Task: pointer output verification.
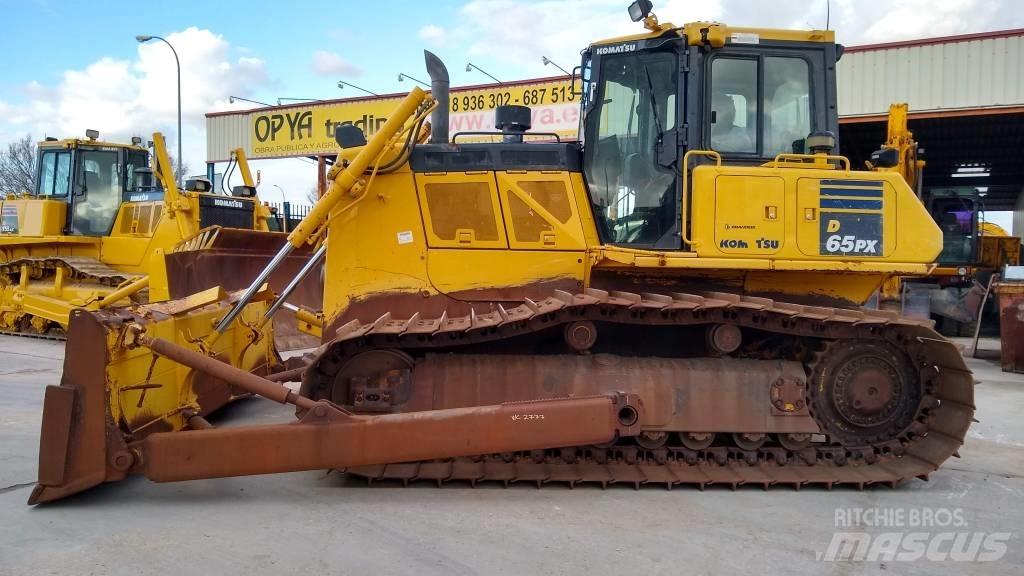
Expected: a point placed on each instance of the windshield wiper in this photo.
(654, 106)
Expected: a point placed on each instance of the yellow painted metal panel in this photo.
(864, 205)
(461, 209)
(540, 211)
(469, 270)
(33, 217)
(750, 215)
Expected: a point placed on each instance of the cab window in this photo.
(787, 104)
(760, 106)
(98, 196)
(135, 160)
(54, 173)
(734, 105)
(634, 106)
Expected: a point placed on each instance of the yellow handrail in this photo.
(815, 157)
(686, 186)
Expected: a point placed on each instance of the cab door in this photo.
(96, 194)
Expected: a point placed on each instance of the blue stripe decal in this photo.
(867, 183)
(859, 192)
(851, 204)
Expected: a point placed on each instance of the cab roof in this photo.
(696, 32)
(79, 142)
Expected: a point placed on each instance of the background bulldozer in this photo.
(105, 228)
(672, 301)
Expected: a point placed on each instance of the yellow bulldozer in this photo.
(102, 222)
(672, 300)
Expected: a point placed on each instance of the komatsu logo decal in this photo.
(228, 203)
(851, 217)
(617, 49)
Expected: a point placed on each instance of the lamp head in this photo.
(143, 38)
(469, 67)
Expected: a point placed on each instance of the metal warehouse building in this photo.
(966, 98)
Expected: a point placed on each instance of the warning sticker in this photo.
(745, 38)
(405, 237)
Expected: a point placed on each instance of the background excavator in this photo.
(673, 300)
(101, 223)
(973, 251)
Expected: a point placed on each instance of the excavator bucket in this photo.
(114, 392)
(231, 258)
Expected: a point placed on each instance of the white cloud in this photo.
(122, 98)
(433, 35)
(332, 64)
(516, 33)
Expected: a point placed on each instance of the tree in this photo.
(180, 172)
(18, 166)
(313, 195)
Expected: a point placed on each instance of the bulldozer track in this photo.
(78, 267)
(60, 337)
(936, 432)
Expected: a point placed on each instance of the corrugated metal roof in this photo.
(977, 71)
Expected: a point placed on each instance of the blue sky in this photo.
(70, 65)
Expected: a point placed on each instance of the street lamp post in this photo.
(470, 66)
(402, 76)
(547, 61)
(142, 39)
(231, 100)
(342, 84)
(280, 100)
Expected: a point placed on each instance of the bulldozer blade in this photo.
(130, 389)
(114, 392)
(230, 258)
(72, 451)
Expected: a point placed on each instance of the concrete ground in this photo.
(317, 523)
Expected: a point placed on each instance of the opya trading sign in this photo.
(309, 130)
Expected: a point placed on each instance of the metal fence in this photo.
(285, 216)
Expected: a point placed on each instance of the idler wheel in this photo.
(368, 368)
(864, 392)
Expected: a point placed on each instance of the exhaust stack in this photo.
(439, 90)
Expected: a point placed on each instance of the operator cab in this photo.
(748, 94)
(956, 211)
(92, 177)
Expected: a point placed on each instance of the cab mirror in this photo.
(348, 136)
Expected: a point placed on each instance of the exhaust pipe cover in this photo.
(439, 90)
